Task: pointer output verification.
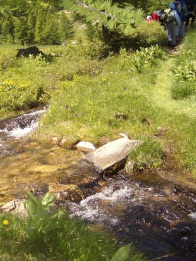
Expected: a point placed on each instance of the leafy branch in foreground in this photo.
(104, 13)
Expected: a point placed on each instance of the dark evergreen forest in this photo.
(48, 22)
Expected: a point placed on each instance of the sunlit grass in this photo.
(72, 241)
(120, 99)
(90, 99)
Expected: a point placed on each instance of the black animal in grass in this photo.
(31, 50)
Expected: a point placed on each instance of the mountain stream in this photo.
(156, 214)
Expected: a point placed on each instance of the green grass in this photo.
(121, 99)
(44, 236)
(90, 99)
(74, 241)
(28, 83)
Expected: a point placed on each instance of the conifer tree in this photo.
(5, 31)
(7, 24)
(51, 33)
(20, 30)
(31, 28)
(114, 23)
(39, 26)
(66, 31)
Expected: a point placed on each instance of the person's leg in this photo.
(182, 29)
(192, 21)
(168, 34)
(187, 20)
(192, 18)
(173, 34)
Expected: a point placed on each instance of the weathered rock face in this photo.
(111, 153)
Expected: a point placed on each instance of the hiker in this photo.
(191, 6)
(170, 22)
(181, 8)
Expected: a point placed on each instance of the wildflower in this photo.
(5, 222)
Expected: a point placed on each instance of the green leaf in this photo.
(32, 197)
(48, 199)
(122, 254)
(50, 216)
(31, 208)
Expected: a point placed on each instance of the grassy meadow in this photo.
(147, 94)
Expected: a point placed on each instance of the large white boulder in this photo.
(111, 153)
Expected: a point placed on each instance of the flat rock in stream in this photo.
(111, 153)
(16, 207)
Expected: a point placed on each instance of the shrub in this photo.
(149, 34)
(186, 71)
(21, 95)
(7, 59)
(146, 58)
(184, 77)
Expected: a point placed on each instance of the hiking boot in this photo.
(170, 44)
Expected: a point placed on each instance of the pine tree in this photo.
(31, 28)
(66, 31)
(20, 30)
(7, 24)
(114, 24)
(51, 33)
(39, 26)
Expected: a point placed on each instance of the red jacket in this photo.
(155, 16)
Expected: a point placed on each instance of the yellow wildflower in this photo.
(5, 222)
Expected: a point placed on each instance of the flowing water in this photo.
(156, 214)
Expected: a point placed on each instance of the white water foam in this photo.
(91, 208)
(19, 132)
(35, 113)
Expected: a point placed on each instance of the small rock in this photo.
(66, 192)
(85, 146)
(15, 206)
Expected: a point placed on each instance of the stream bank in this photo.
(157, 214)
